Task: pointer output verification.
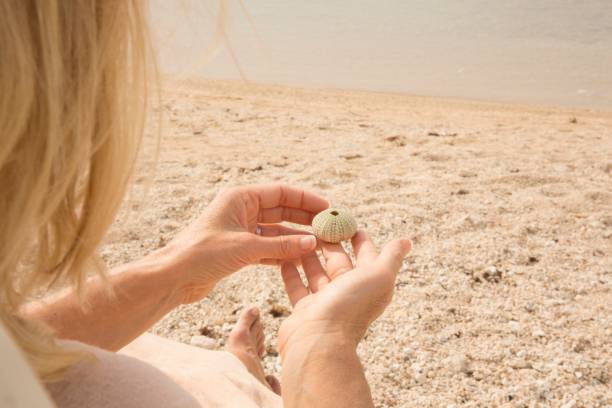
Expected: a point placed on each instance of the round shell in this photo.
(334, 225)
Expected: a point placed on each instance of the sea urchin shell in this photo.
(334, 225)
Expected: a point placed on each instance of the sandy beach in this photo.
(505, 299)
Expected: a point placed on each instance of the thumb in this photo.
(282, 247)
(392, 255)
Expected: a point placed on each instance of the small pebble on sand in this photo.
(203, 342)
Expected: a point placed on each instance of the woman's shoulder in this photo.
(116, 380)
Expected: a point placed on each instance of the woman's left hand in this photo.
(241, 226)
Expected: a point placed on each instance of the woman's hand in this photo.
(318, 342)
(343, 299)
(241, 226)
(220, 242)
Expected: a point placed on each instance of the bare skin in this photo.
(221, 241)
(317, 342)
(247, 342)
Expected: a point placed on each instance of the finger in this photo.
(281, 247)
(293, 283)
(364, 248)
(392, 255)
(275, 230)
(282, 195)
(269, 261)
(317, 278)
(278, 214)
(336, 260)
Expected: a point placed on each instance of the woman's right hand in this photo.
(342, 299)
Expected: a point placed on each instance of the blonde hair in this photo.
(73, 98)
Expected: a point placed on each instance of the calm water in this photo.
(555, 52)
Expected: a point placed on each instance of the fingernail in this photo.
(407, 244)
(308, 243)
(254, 312)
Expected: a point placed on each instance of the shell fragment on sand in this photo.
(334, 225)
(203, 342)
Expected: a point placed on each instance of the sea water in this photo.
(553, 52)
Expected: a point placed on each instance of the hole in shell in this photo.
(334, 213)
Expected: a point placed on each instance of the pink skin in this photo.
(318, 341)
(221, 241)
(247, 342)
(342, 296)
(224, 240)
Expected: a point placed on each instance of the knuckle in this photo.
(285, 245)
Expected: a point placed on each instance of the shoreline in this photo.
(171, 80)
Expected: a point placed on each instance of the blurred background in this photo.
(553, 52)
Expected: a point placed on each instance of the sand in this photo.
(505, 299)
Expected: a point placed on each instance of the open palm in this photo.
(342, 296)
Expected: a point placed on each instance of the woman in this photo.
(72, 102)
